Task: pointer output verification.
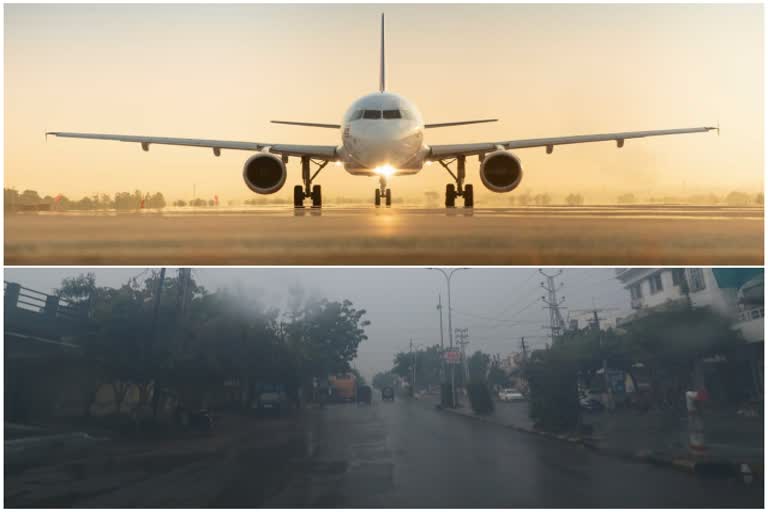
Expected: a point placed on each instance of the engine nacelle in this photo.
(501, 171)
(264, 173)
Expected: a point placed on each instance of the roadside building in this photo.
(735, 293)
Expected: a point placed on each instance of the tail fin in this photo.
(382, 78)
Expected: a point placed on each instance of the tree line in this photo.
(119, 201)
(193, 341)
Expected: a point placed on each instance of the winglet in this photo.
(382, 78)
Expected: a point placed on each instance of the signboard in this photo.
(452, 357)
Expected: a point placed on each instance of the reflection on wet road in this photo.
(405, 454)
(356, 236)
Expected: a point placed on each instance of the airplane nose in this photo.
(390, 147)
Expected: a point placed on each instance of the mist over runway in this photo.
(556, 235)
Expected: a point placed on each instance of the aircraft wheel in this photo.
(298, 196)
(469, 196)
(388, 197)
(377, 198)
(450, 195)
(317, 197)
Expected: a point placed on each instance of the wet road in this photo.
(611, 235)
(405, 454)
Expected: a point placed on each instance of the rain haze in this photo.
(497, 305)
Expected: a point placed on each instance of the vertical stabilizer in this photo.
(382, 80)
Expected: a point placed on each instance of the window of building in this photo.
(655, 280)
(392, 114)
(372, 114)
(696, 279)
(677, 276)
(635, 291)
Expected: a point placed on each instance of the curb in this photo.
(714, 468)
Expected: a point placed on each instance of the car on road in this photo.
(510, 395)
(270, 397)
(387, 393)
(364, 395)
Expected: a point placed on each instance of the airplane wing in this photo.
(319, 152)
(442, 151)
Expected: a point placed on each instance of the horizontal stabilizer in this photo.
(459, 123)
(302, 123)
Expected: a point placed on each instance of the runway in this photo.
(595, 235)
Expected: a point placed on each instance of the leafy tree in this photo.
(737, 199)
(628, 198)
(478, 365)
(384, 379)
(574, 200)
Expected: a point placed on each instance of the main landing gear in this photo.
(308, 190)
(383, 193)
(459, 189)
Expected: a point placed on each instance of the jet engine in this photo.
(264, 173)
(501, 171)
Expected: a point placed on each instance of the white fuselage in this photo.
(382, 135)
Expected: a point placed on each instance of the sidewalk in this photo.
(734, 444)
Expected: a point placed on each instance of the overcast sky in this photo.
(497, 305)
(223, 71)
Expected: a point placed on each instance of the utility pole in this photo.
(413, 369)
(448, 276)
(155, 313)
(150, 342)
(440, 310)
(524, 348)
(443, 369)
(595, 325)
(552, 302)
(462, 339)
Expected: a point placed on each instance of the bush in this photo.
(553, 400)
(480, 397)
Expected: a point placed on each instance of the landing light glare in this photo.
(385, 170)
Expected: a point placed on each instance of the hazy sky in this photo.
(496, 305)
(223, 71)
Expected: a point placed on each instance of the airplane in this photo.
(382, 134)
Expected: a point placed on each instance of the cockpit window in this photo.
(357, 115)
(372, 114)
(392, 114)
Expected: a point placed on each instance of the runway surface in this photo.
(603, 235)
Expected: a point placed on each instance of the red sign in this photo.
(452, 357)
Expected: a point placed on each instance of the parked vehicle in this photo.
(270, 398)
(343, 387)
(387, 393)
(589, 403)
(198, 420)
(364, 395)
(510, 395)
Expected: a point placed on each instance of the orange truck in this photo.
(344, 387)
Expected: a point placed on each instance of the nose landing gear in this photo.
(459, 190)
(383, 193)
(308, 190)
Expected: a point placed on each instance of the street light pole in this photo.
(448, 276)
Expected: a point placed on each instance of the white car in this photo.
(510, 395)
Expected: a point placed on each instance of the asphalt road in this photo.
(615, 235)
(405, 454)
(401, 454)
